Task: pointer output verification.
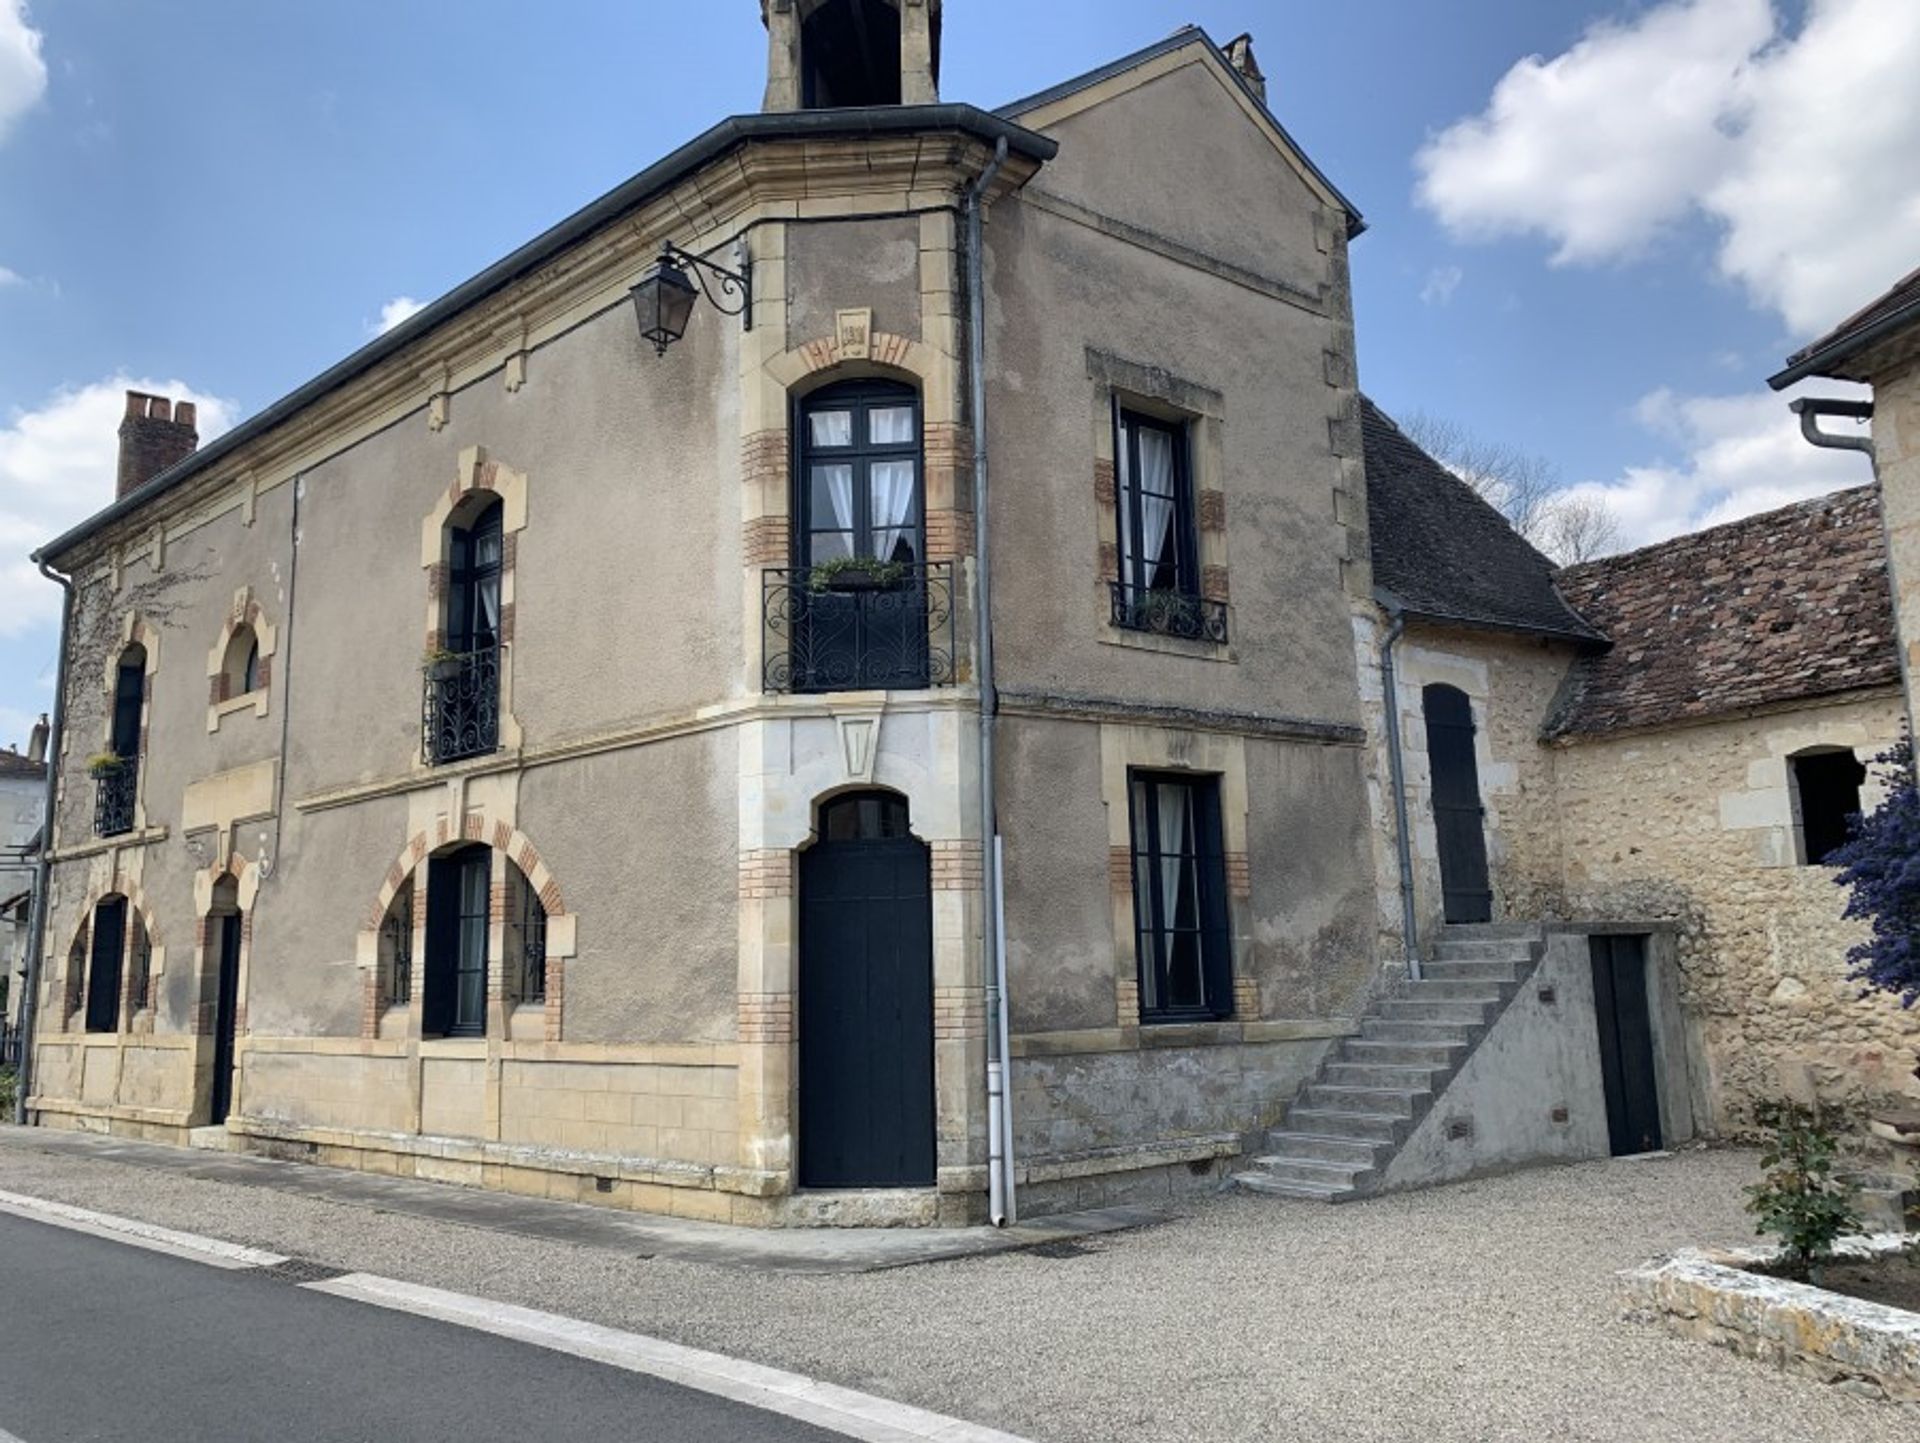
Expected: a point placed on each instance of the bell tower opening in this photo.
(828, 54)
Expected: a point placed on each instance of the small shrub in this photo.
(7, 1084)
(1798, 1199)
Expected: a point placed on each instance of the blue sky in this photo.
(1595, 225)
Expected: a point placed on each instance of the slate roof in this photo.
(1445, 554)
(13, 764)
(1785, 606)
(1831, 354)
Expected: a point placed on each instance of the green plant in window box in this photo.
(442, 664)
(1170, 611)
(856, 573)
(105, 764)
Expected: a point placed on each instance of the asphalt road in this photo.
(102, 1341)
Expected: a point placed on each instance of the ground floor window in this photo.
(455, 1001)
(1179, 898)
(103, 969)
(396, 948)
(526, 937)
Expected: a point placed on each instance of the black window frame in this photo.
(453, 964)
(1210, 927)
(106, 964)
(468, 578)
(396, 933)
(527, 937)
(1128, 422)
(859, 397)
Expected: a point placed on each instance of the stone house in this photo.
(545, 751)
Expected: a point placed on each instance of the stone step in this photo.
(1382, 1101)
(1402, 1054)
(1518, 949)
(1294, 1145)
(1309, 1192)
(1472, 969)
(1411, 1009)
(1446, 989)
(213, 1139)
(1362, 1126)
(1413, 1029)
(1315, 1171)
(1489, 931)
(1410, 1076)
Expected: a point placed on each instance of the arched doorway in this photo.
(1459, 821)
(223, 943)
(866, 999)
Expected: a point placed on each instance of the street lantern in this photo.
(663, 298)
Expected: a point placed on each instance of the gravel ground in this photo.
(1474, 1312)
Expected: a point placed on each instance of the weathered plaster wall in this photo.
(1696, 825)
(1896, 440)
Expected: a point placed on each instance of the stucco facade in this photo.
(655, 777)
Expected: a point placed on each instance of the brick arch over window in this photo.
(853, 354)
(408, 866)
(71, 988)
(477, 478)
(245, 614)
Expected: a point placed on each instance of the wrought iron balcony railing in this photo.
(460, 712)
(858, 631)
(1169, 613)
(114, 789)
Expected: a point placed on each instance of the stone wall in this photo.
(1896, 439)
(1697, 825)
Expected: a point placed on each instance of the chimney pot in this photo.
(153, 437)
(1240, 56)
(37, 740)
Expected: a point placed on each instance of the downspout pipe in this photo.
(1001, 1207)
(1397, 778)
(43, 868)
(1811, 408)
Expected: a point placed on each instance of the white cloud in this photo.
(23, 74)
(1442, 282)
(57, 467)
(1798, 146)
(10, 278)
(394, 312)
(1736, 455)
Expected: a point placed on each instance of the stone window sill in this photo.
(255, 700)
(1169, 645)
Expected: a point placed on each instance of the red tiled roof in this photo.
(1785, 606)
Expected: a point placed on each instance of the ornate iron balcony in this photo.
(113, 792)
(460, 713)
(1169, 613)
(890, 629)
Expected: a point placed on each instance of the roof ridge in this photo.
(1757, 518)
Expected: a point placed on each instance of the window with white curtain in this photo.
(1154, 498)
(860, 484)
(1179, 898)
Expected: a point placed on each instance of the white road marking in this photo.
(142, 1235)
(6, 1437)
(825, 1405)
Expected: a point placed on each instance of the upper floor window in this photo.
(116, 770)
(1158, 588)
(1180, 898)
(241, 668)
(850, 54)
(860, 461)
(462, 713)
(1826, 795)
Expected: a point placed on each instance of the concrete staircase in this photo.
(1345, 1125)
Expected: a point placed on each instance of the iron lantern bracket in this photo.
(730, 292)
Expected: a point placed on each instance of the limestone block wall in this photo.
(1896, 439)
(1696, 825)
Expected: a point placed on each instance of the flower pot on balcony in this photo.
(444, 668)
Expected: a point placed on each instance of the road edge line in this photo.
(193, 1246)
(826, 1405)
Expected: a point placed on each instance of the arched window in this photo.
(463, 680)
(395, 981)
(117, 771)
(140, 984)
(454, 1000)
(77, 956)
(241, 669)
(104, 965)
(850, 54)
(526, 935)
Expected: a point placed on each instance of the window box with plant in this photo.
(856, 573)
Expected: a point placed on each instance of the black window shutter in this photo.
(443, 946)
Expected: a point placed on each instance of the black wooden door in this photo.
(226, 1016)
(1458, 817)
(866, 1001)
(103, 965)
(1626, 1043)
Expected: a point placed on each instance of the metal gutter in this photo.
(1184, 36)
(1821, 360)
(1396, 769)
(727, 136)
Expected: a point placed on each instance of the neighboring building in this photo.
(508, 774)
(23, 796)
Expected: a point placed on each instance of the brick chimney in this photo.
(37, 740)
(155, 434)
(1240, 57)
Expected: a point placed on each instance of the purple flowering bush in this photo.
(1880, 867)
